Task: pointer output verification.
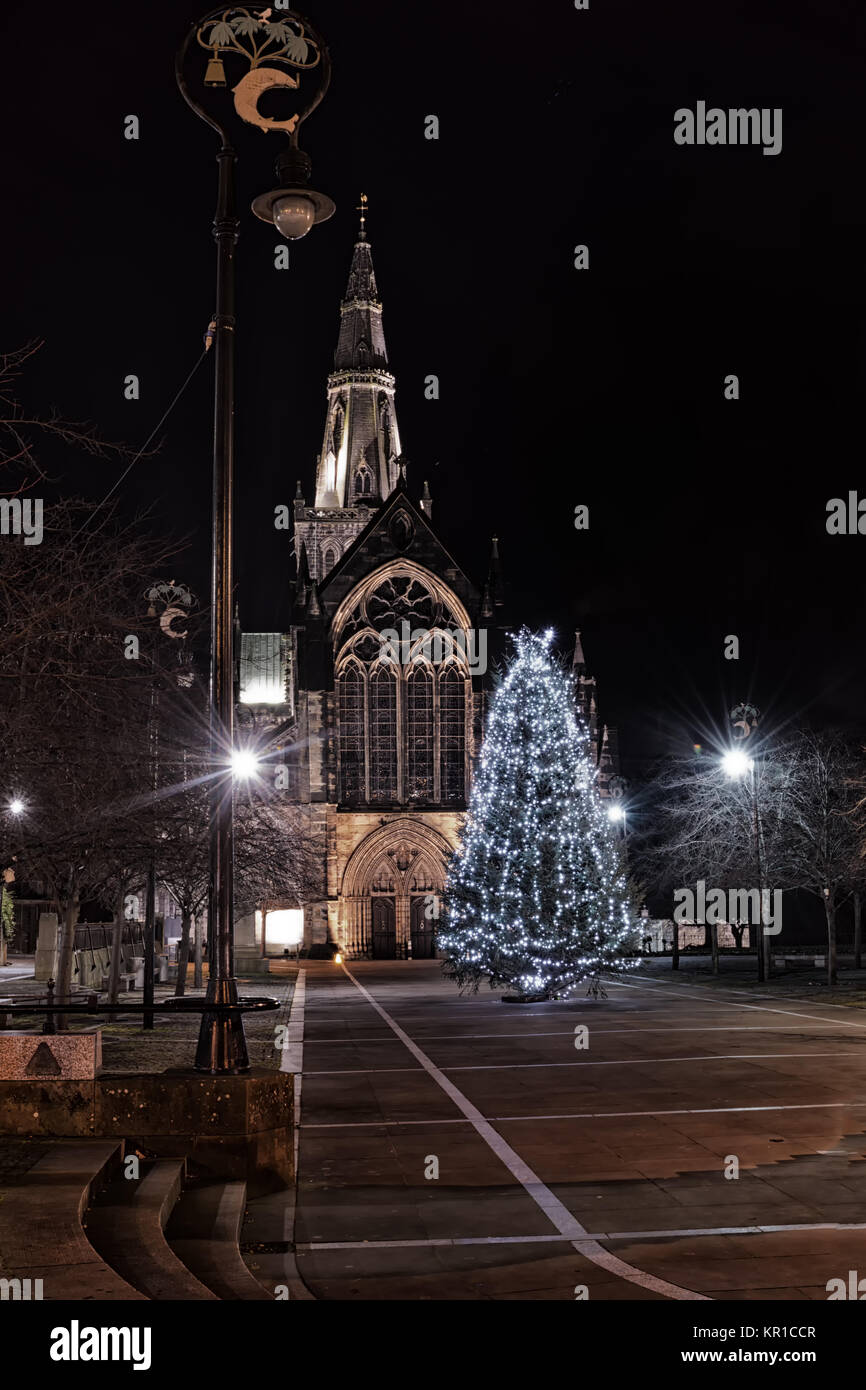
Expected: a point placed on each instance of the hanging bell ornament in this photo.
(216, 73)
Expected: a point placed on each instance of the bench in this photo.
(126, 982)
(794, 962)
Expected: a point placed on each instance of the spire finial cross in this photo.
(362, 209)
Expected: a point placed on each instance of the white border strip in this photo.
(293, 1061)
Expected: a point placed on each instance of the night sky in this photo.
(558, 387)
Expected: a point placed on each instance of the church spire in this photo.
(358, 463)
(494, 575)
(585, 691)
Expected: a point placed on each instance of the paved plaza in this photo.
(461, 1148)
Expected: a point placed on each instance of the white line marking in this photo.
(557, 1214)
(363, 1040)
(599, 1115)
(615, 1062)
(759, 1008)
(597, 1235)
(751, 994)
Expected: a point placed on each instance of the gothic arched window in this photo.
(383, 733)
(419, 733)
(352, 722)
(452, 733)
(337, 429)
(403, 705)
(329, 559)
(363, 481)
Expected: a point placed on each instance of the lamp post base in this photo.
(222, 1043)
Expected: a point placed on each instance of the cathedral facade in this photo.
(379, 687)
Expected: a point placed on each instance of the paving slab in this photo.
(631, 1135)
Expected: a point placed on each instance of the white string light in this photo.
(536, 897)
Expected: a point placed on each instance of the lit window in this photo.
(452, 734)
(351, 716)
(383, 735)
(419, 732)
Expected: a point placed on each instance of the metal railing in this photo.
(93, 1006)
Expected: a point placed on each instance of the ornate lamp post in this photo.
(263, 50)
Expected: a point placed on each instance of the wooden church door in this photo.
(384, 928)
(423, 942)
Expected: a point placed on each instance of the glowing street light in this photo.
(736, 764)
(244, 763)
(617, 813)
(16, 806)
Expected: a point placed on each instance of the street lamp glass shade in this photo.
(293, 215)
(736, 764)
(16, 806)
(616, 813)
(244, 763)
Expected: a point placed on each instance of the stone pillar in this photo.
(248, 952)
(46, 947)
(355, 927)
(403, 921)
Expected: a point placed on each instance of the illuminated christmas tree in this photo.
(536, 898)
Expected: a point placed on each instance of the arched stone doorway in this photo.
(392, 888)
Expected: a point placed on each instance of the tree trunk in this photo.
(714, 946)
(183, 954)
(830, 909)
(197, 978)
(675, 948)
(116, 951)
(66, 958)
(760, 944)
(858, 932)
(768, 959)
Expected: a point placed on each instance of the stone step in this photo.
(42, 1234)
(127, 1227)
(204, 1233)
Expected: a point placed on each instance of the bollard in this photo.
(49, 1025)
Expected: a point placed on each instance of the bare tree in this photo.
(75, 703)
(727, 831)
(823, 841)
(182, 857)
(20, 467)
